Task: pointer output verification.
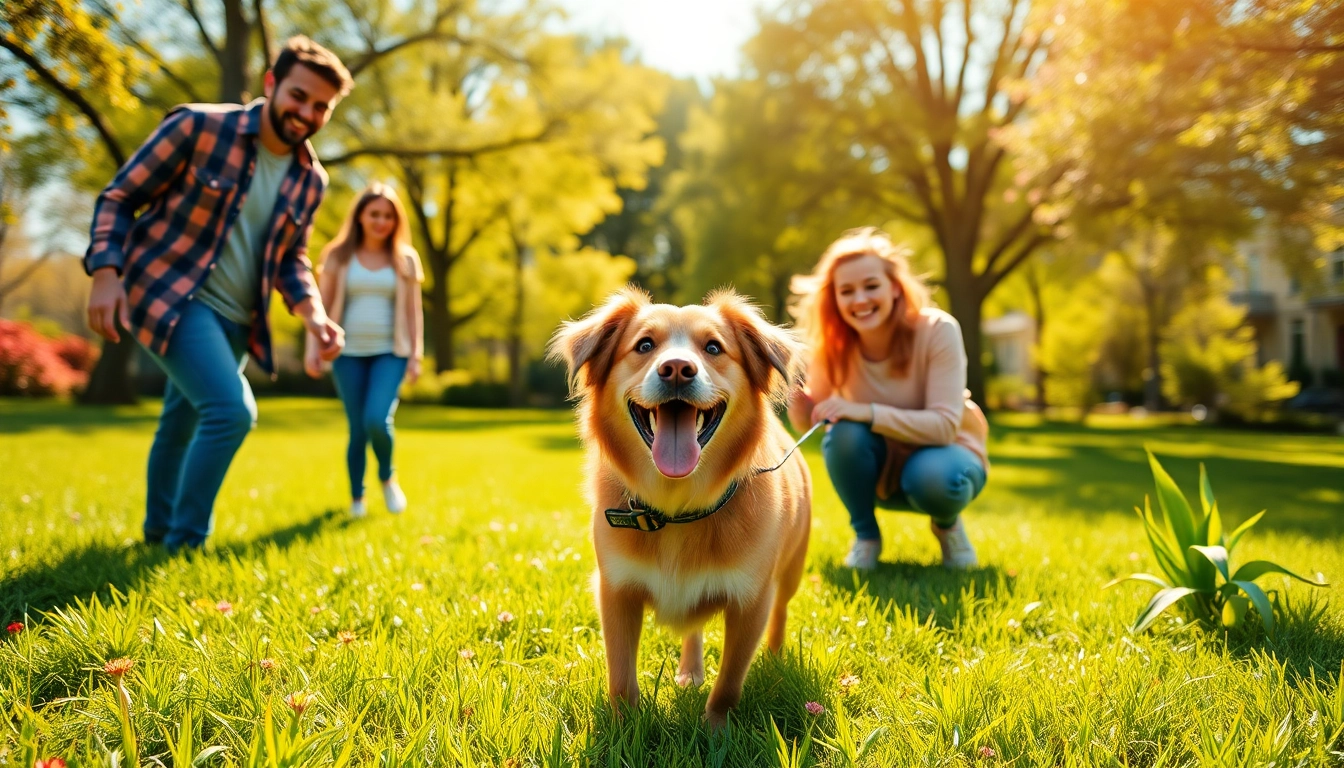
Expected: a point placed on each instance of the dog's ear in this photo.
(587, 346)
(771, 355)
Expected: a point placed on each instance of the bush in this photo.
(477, 394)
(1208, 358)
(32, 365)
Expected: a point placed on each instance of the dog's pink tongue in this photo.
(675, 449)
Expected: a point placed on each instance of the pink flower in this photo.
(814, 709)
(49, 762)
(467, 653)
(118, 667)
(985, 752)
(14, 629)
(224, 607)
(299, 701)
(505, 617)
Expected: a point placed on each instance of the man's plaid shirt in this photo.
(190, 178)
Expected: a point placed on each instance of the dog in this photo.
(676, 411)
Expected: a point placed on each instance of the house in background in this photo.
(1298, 323)
(1010, 338)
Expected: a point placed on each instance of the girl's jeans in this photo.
(368, 388)
(936, 480)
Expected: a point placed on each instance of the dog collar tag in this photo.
(639, 520)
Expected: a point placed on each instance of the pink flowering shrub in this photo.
(33, 365)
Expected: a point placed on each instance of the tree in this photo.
(484, 134)
(1208, 358)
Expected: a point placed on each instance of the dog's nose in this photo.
(677, 371)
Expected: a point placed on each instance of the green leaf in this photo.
(1147, 578)
(208, 753)
(1216, 555)
(1234, 609)
(1206, 499)
(1261, 602)
(1175, 569)
(1160, 602)
(1257, 568)
(1215, 526)
(1180, 519)
(1242, 529)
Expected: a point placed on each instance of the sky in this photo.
(698, 38)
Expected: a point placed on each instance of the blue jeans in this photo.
(368, 389)
(938, 480)
(208, 409)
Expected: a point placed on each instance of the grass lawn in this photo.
(474, 640)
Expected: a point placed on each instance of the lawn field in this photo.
(463, 633)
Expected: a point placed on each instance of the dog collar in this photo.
(642, 517)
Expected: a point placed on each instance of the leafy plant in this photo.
(1192, 550)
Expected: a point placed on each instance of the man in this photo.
(227, 194)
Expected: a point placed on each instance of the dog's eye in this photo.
(644, 345)
(714, 348)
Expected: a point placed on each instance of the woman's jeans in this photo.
(368, 387)
(936, 480)
(208, 409)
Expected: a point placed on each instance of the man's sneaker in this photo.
(357, 508)
(396, 500)
(957, 550)
(863, 554)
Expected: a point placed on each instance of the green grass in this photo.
(1026, 656)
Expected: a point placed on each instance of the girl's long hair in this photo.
(342, 248)
(831, 341)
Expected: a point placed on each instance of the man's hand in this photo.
(330, 336)
(836, 408)
(107, 304)
(312, 362)
(413, 370)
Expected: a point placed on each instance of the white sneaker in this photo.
(357, 508)
(392, 494)
(958, 553)
(863, 554)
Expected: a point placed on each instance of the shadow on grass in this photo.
(101, 567)
(17, 417)
(1106, 471)
(668, 727)
(920, 589)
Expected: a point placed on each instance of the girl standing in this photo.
(889, 372)
(370, 282)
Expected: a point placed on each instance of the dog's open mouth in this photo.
(675, 431)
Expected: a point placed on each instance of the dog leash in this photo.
(642, 517)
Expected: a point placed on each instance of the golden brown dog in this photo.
(676, 412)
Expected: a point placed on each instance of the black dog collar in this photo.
(642, 517)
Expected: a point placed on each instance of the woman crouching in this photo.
(889, 372)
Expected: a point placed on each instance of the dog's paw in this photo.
(716, 721)
(690, 679)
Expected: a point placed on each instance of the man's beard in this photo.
(278, 123)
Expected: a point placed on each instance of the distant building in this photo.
(1010, 339)
(1300, 325)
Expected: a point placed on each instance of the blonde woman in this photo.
(889, 372)
(370, 281)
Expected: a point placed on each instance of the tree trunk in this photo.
(1152, 383)
(111, 382)
(966, 308)
(235, 61)
(517, 391)
(441, 316)
(1038, 304)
